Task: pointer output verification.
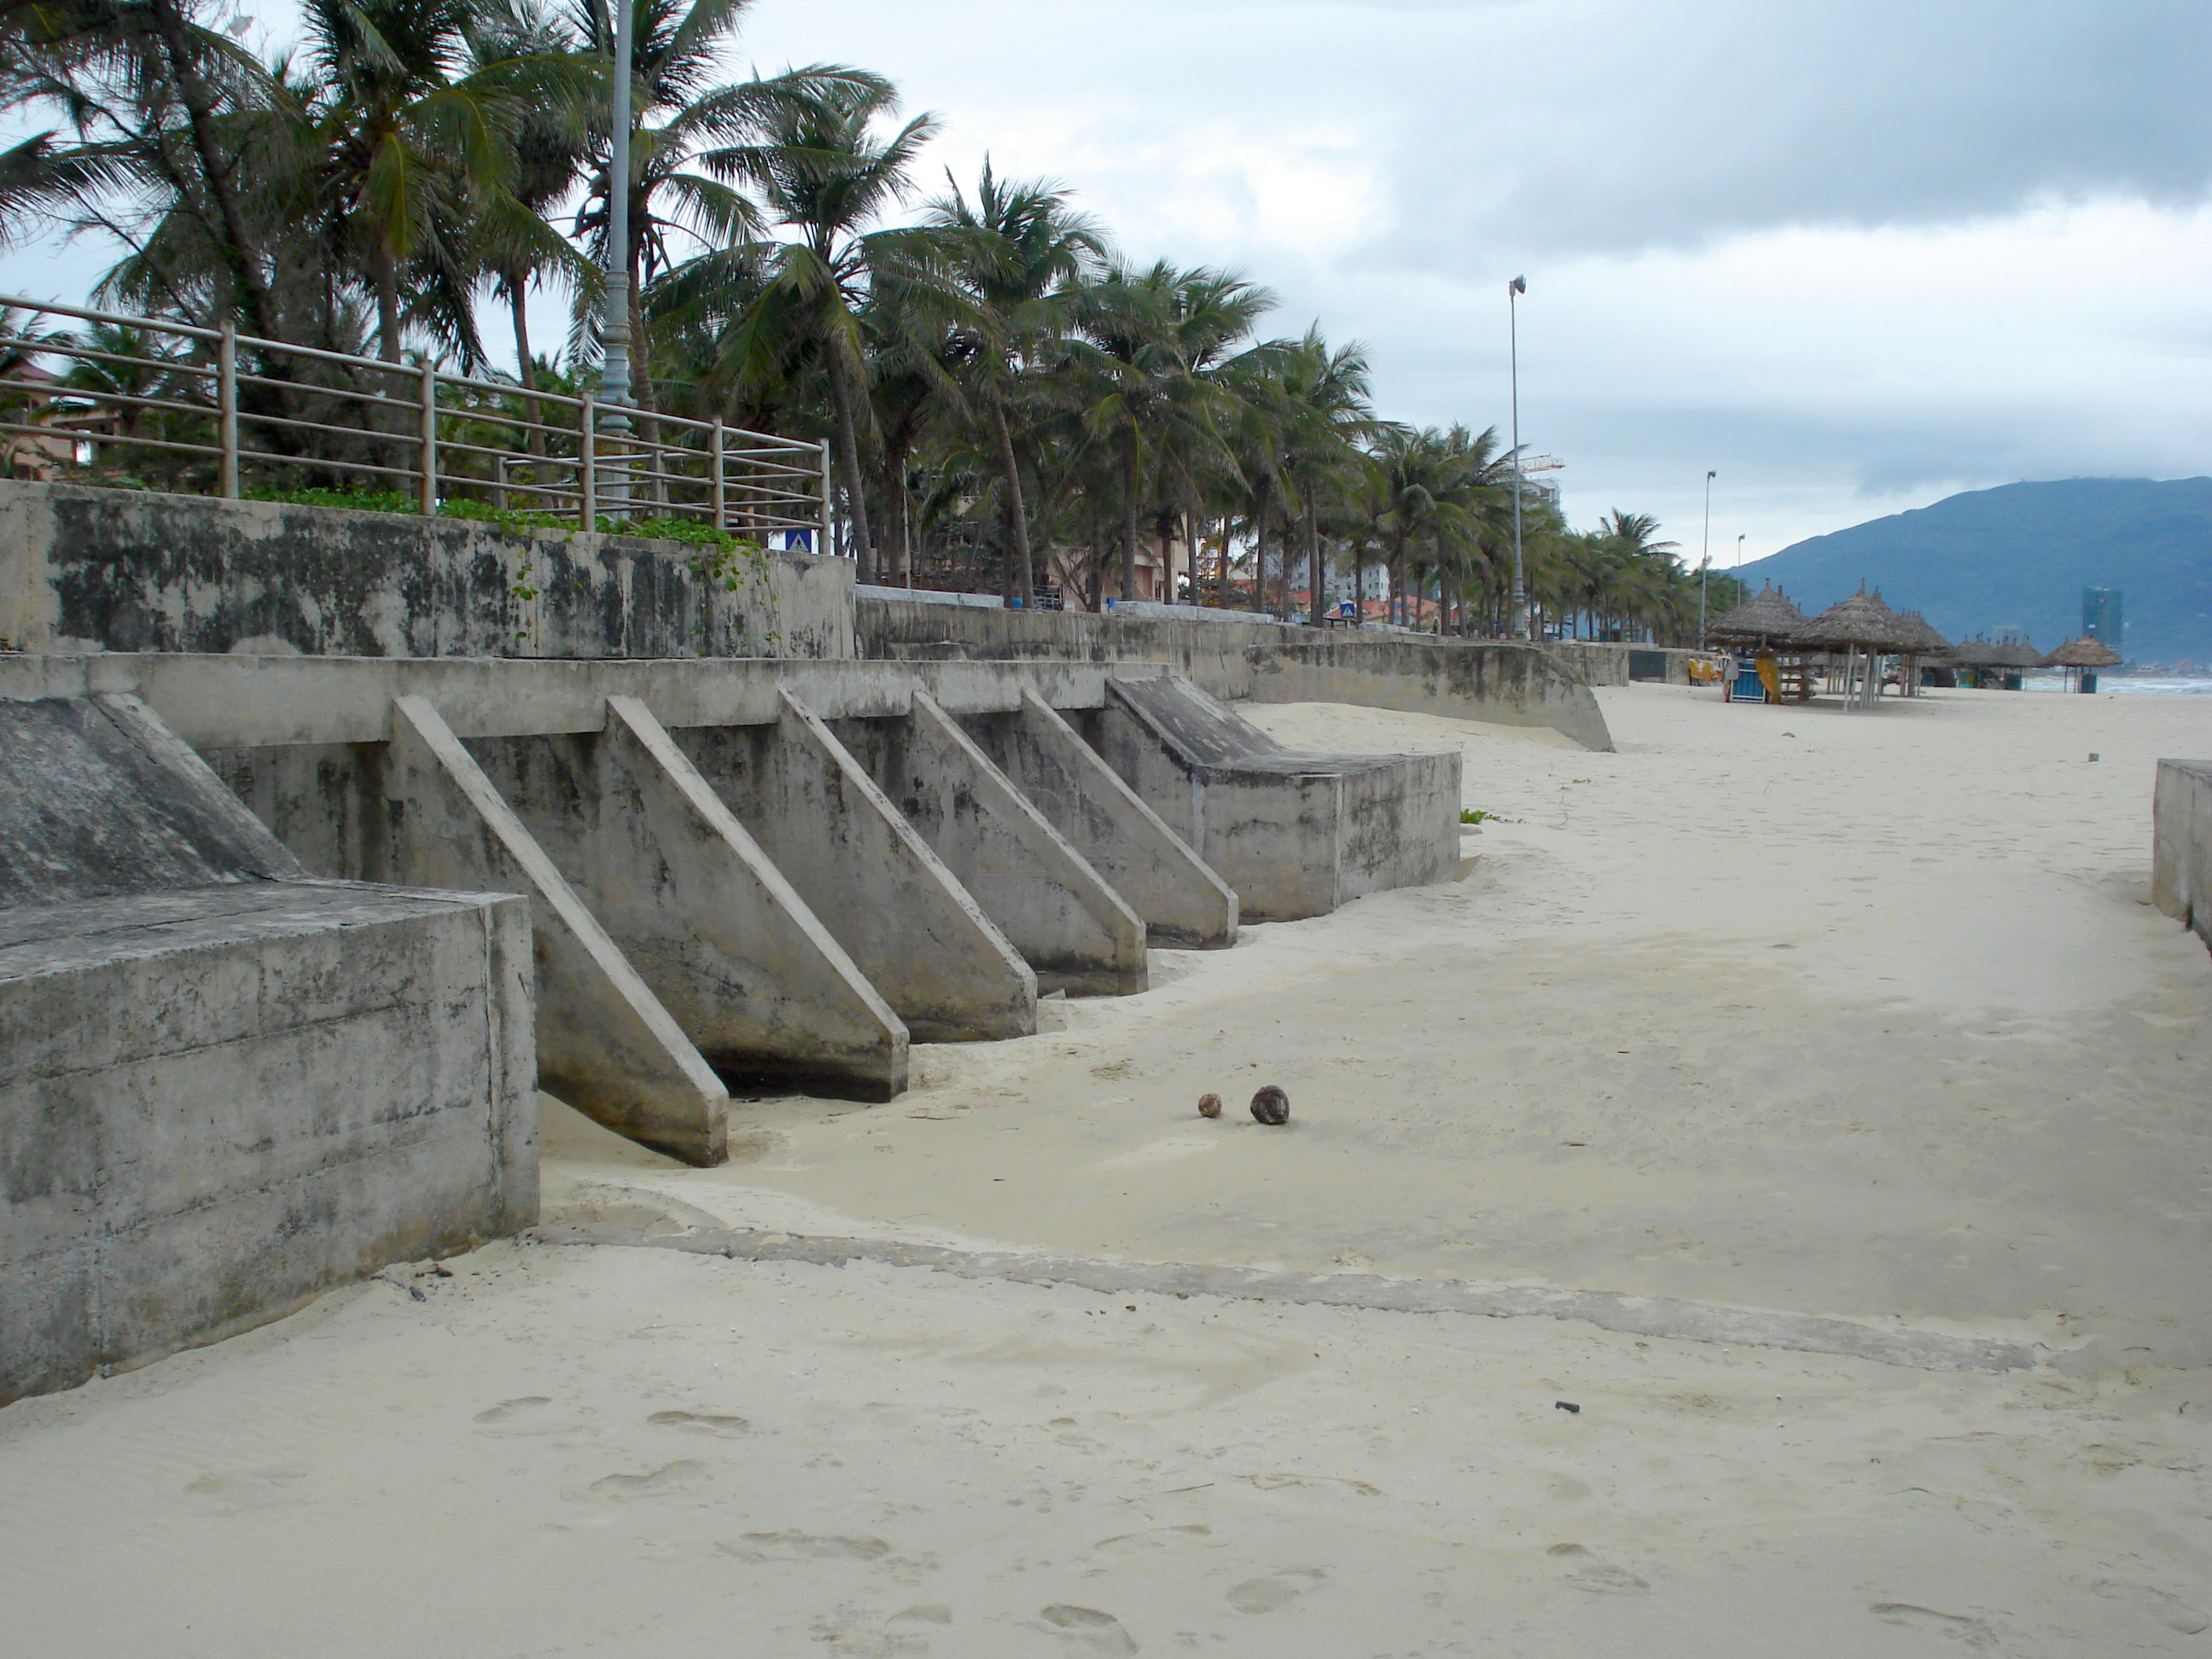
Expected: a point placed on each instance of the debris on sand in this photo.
(1209, 1105)
(1271, 1105)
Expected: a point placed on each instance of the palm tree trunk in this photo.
(1129, 525)
(388, 302)
(1017, 520)
(524, 373)
(848, 463)
(1266, 507)
(1315, 602)
(200, 112)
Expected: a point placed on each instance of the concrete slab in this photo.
(218, 1102)
(2181, 843)
(605, 1045)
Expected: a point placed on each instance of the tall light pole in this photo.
(614, 327)
(1706, 556)
(1514, 289)
(1738, 565)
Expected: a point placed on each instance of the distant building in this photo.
(2100, 617)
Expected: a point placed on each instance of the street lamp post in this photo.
(614, 327)
(1514, 289)
(1705, 557)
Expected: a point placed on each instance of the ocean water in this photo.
(2132, 685)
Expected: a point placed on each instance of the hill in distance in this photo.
(2018, 557)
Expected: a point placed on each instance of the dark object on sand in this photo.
(1209, 1105)
(1271, 1105)
(1566, 1406)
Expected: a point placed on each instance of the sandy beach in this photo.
(1781, 1011)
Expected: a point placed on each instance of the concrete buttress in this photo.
(759, 985)
(1072, 928)
(1153, 869)
(904, 919)
(605, 1045)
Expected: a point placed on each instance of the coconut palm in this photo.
(1018, 253)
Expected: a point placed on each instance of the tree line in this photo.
(1010, 402)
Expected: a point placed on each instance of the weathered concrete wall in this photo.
(759, 986)
(605, 1045)
(1601, 662)
(84, 568)
(1295, 835)
(1074, 930)
(215, 1103)
(905, 920)
(1154, 870)
(2181, 843)
(1501, 682)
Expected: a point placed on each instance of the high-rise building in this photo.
(2100, 617)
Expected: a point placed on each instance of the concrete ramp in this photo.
(1295, 834)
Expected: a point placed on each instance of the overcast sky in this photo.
(1852, 255)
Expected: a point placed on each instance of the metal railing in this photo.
(216, 412)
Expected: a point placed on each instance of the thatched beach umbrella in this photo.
(1860, 623)
(2011, 659)
(1766, 618)
(1928, 645)
(2081, 659)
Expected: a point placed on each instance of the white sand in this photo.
(1862, 1015)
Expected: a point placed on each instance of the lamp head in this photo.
(1519, 285)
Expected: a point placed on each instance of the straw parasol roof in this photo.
(2084, 652)
(1767, 615)
(1973, 653)
(2014, 654)
(1860, 620)
(1926, 641)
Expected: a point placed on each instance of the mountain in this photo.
(2018, 557)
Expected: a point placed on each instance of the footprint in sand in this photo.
(2171, 1611)
(1956, 1625)
(701, 1423)
(761, 1547)
(1276, 1590)
(925, 1613)
(1086, 1631)
(679, 1476)
(507, 1410)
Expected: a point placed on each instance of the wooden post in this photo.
(226, 398)
(429, 463)
(587, 442)
(714, 454)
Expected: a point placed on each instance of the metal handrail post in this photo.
(429, 441)
(588, 441)
(721, 493)
(498, 483)
(226, 398)
(828, 530)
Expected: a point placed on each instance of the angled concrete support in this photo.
(1072, 928)
(1152, 868)
(605, 1045)
(904, 920)
(761, 986)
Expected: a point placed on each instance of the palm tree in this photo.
(1018, 253)
(1328, 414)
(822, 173)
(410, 133)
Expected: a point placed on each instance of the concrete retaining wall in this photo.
(1504, 683)
(1601, 663)
(2181, 844)
(85, 568)
(225, 1087)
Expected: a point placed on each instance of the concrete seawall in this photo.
(1498, 681)
(85, 568)
(2181, 844)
